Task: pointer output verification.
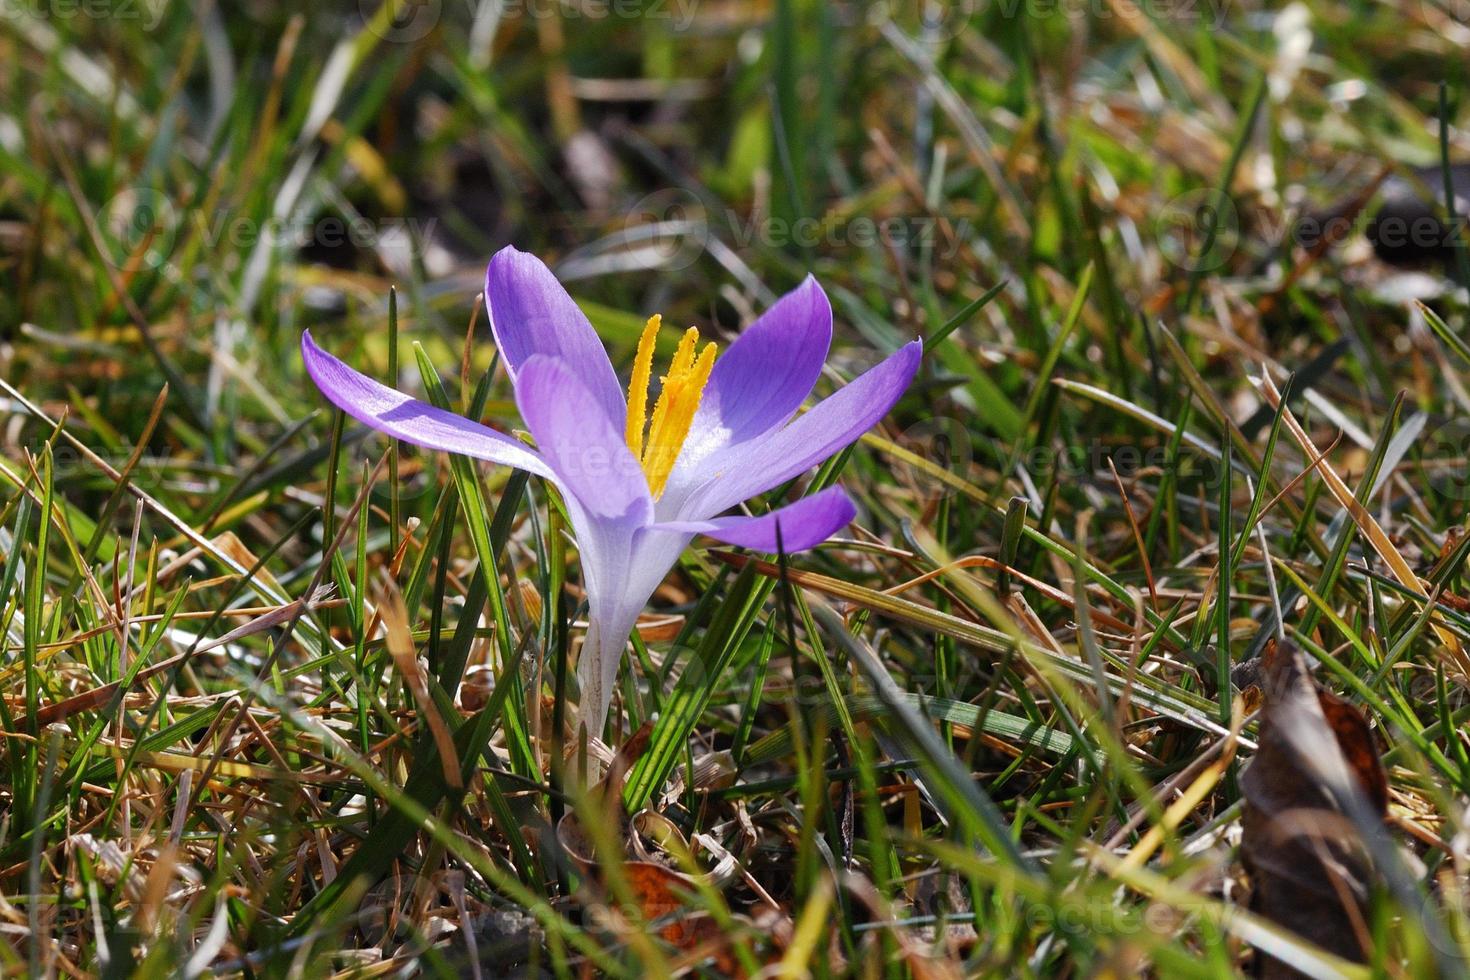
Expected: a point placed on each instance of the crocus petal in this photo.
(621, 568)
(598, 663)
(797, 526)
(756, 386)
(531, 314)
(604, 552)
(828, 427)
(760, 382)
(589, 457)
(409, 419)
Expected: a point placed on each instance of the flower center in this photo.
(673, 414)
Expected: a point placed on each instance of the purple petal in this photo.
(760, 382)
(621, 570)
(590, 458)
(756, 386)
(605, 554)
(409, 419)
(598, 663)
(530, 314)
(797, 526)
(830, 426)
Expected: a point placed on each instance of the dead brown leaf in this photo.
(1309, 871)
(660, 893)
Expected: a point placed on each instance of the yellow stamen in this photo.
(684, 356)
(673, 414)
(638, 390)
(672, 382)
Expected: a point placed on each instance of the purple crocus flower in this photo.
(638, 490)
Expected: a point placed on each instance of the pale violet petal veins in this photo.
(621, 569)
(590, 458)
(402, 417)
(770, 369)
(756, 386)
(831, 425)
(531, 314)
(795, 527)
(598, 663)
(604, 550)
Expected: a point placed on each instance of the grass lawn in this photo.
(1145, 651)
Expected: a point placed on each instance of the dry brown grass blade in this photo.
(229, 769)
(76, 639)
(843, 590)
(87, 700)
(1370, 527)
(1337, 229)
(183, 527)
(1148, 571)
(247, 697)
(405, 658)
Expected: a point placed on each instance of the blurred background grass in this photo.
(1143, 184)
